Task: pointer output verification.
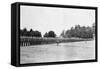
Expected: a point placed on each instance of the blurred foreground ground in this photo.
(71, 51)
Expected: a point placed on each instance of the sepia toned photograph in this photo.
(52, 34)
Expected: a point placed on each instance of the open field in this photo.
(83, 50)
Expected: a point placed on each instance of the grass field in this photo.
(71, 51)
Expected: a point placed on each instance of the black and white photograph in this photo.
(55, 34)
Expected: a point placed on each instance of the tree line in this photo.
(79, 32)
(36, 33)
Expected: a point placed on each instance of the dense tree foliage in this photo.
(31, 33)
(36, 33)
(79, 32)
(50, 34)
(63, 33)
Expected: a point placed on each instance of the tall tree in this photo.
(46, 34)
(31, 33)
(24, 32)
(63, 34)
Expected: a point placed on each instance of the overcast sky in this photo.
(45, 19)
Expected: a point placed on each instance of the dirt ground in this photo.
(72, 51)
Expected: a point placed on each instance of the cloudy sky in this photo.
(45, 19)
